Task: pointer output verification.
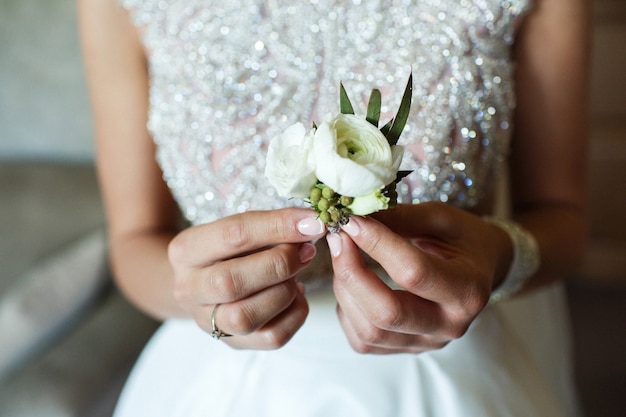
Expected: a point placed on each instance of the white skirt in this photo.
(513, 361)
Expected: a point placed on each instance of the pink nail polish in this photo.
(351, 228)
(306, 252)
(334, 244)
(310, 226)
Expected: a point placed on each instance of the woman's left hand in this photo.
(445, 260)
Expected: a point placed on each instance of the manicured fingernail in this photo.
(351, 228)
(334, 244)
(310, 226)
(306, 252)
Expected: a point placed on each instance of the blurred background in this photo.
(67, 339)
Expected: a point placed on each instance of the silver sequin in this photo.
(228, 76)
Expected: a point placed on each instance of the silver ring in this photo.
(216, 333)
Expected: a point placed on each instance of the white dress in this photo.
(226, 76)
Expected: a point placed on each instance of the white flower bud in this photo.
(289, 165)
(369, 204)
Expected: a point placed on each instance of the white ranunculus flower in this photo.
(369, 204)
(289, 165)
(353, 157)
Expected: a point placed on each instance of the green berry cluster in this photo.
(332, 208)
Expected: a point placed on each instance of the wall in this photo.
(43, 103)
(606, 259)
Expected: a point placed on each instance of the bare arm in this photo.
(141, 214)
(246, 263)
(455, 258)
(549, 155)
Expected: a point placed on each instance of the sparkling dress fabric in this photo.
(225, 78)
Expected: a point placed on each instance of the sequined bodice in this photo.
(226, 76)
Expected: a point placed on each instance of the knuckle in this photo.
(412, 276)
(372, 242)
(474, 299)
(180, 291)
(372, 336)
(285, 293)
(222, 283)
(236, 232)
(242, 321)
(348, 276)
(360, 347)
(430, 343)
(443, 217)
(275, 225)
(177, 249)
(457, 331)
(280, 264)
(457, 325)
(276, 338)
(389, 316)
(183, 288)
(477, 301)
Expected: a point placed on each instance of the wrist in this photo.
(522, 264)
(504, 253)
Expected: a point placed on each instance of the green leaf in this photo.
(344, 101)
(401, 174)
(373, 108)
(402, 115)
(385, 129)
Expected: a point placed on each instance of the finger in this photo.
(424, 219)
(439, 278)
(360, 288)
(364, 337)
(278, 331)
(413, 344)
(243, 233)
(238, 278)
(247, 316)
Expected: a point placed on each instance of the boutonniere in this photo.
(348, 165)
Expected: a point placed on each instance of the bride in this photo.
(447, 305)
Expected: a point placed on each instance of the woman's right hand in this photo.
(247, 263)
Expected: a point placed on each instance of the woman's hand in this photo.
(445, 260)
(247, 263)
